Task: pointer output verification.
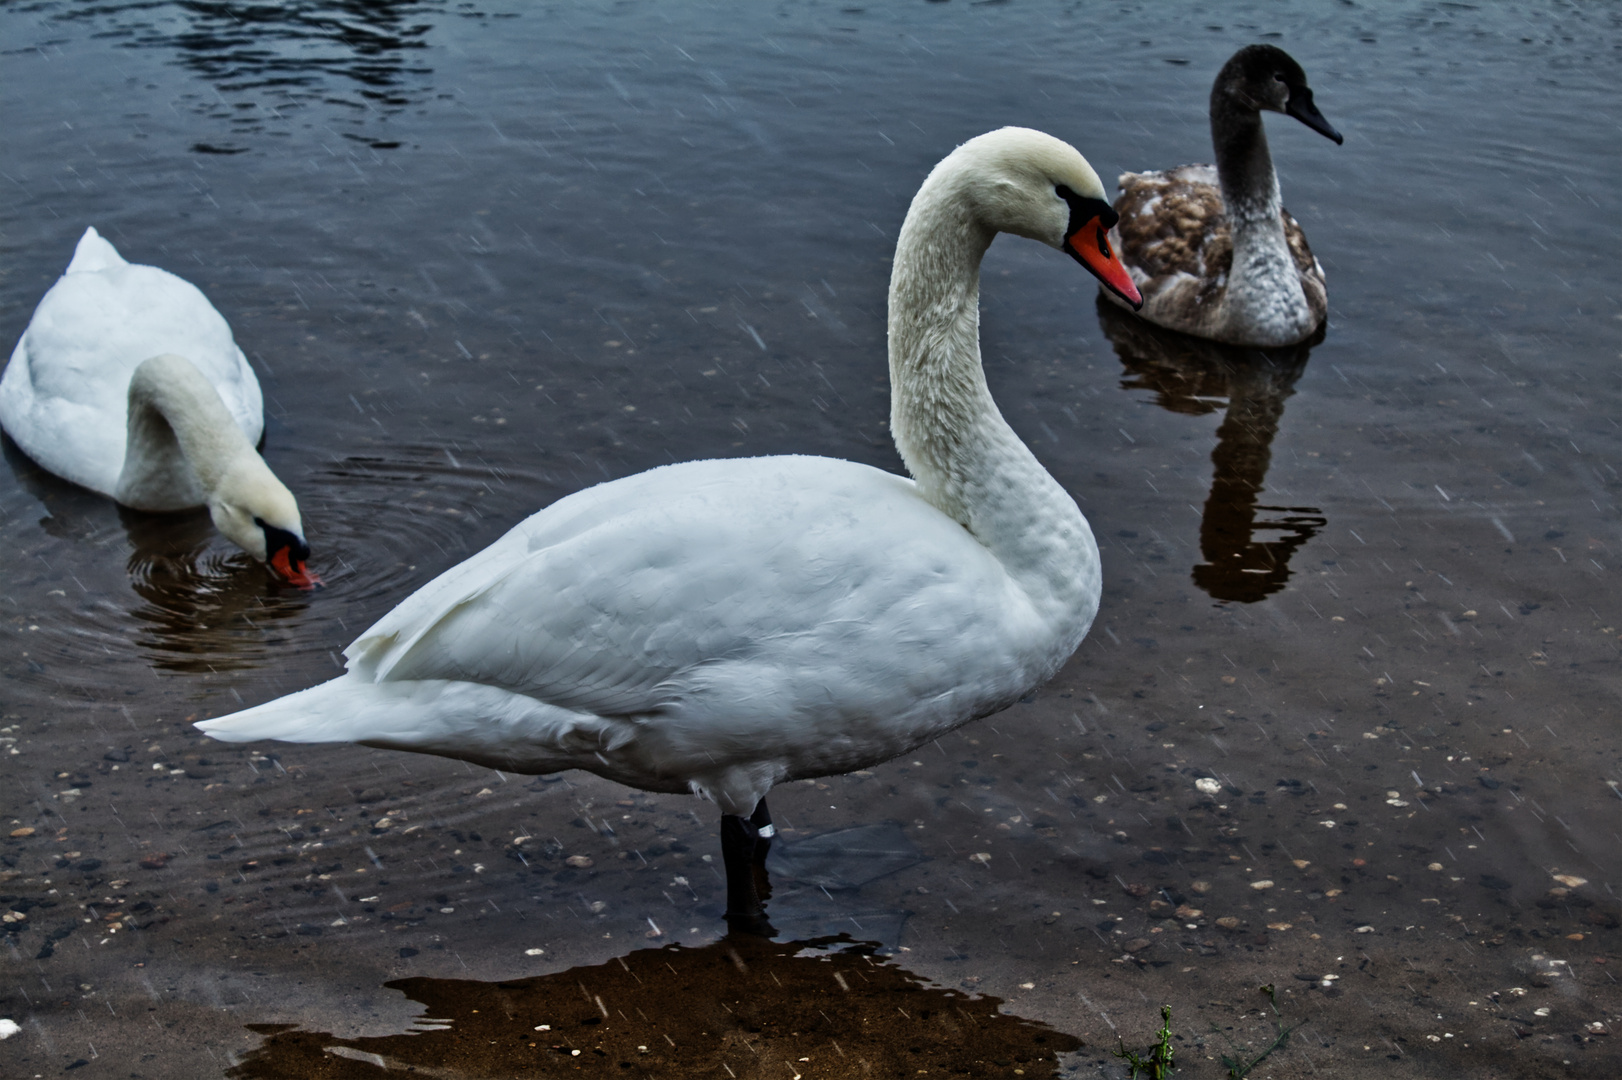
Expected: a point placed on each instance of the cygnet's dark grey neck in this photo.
(1244, 167)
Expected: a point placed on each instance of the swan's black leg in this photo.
(743, 851)
(737, 854)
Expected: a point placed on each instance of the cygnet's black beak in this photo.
(1301, 107)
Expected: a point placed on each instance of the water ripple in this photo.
(196, 605)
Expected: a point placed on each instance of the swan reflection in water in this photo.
(200, 605)
(71, 512)
(1191, 375)
(267, 63)
(743, 1006)
(206, 608)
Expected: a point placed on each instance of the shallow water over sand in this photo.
(482, 258)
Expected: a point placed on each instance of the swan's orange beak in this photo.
(1090, 246)
(293, 571)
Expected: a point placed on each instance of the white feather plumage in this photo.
(64, 397)
(721, 626)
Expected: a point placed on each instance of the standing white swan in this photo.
(722, 626)
(1214, 251)
(127, 382)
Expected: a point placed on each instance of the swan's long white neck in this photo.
(965, 458)
(1264, 294)
(182, 442)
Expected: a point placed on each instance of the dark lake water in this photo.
(482, 256)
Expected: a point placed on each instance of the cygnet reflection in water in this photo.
(1189, 375)
(204, 608)
(742, 1007)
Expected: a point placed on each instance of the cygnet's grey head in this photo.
(1265, 77)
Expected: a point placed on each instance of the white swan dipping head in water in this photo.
(723, 626)
(128, 382)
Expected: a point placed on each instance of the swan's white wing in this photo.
(145, 312)
(64, 396)
(716, 581)
(63, 399)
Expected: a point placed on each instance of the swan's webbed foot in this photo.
(744, 844)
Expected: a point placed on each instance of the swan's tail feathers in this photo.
(94, 253)
(483, 724)
(334, 711)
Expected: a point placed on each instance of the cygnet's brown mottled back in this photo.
(1180, 228)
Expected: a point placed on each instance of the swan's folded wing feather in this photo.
(372, 655)
(615, 600)
(56, 405)
(1313, 286)
(83, 344)
(157, 312)
(1305, 261)
(239, 389)
(1173, 225)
